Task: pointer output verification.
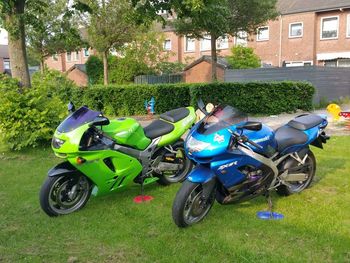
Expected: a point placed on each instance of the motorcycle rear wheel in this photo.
(61, 195)
(170, 177)
(297, 187)
(189, 207)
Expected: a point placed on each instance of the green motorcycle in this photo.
(104, 156)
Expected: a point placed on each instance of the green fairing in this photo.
(127, 131)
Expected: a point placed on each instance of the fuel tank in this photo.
(127, 131)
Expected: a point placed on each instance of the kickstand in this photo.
(142, 198)
(269, 203)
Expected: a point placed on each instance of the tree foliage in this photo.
(54, 31)
(216, 18)
(243, 58)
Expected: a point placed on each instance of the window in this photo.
(290, 64)
(263, 33)
(206, 43)
(54, 57)
(348, 27)
(329, 27)
(7, 64)
(331, 63)
(295, 30)
(167, 44)
(69, 56)
(86, 52)
(344, 63)
(76, 55)
(190, 44)
(222, 42)
(242, 39)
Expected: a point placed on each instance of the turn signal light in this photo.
(80, 160)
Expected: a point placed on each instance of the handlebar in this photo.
(243, 139)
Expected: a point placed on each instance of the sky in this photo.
(3, 37)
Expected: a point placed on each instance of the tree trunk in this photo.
(42, 66)
(214, 59)
(105, 68)
(17, 47)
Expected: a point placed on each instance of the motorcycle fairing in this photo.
(201, 174)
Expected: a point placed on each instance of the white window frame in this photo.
(299, 62)
(227, 42)
(348, 26)
(84, 52)
(321, 29)
(185, 43)
(76, 55)
(241, 38)
(164, 46)
(206, 38)
(302, 29)
(69, 60)
(268, 34)
(55, 57)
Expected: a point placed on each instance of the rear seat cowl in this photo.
(305, 122)
(175, 115)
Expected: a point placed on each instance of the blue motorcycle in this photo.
(237, 160)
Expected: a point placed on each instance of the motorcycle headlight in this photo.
(194, 145)
(57, 143)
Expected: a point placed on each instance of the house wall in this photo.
(1, 65)
(201, 73)
(80, 78)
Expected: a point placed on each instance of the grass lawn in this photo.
(316, 227)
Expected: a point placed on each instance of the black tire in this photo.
(179, 176)
(182, 201)
(52, 202)
(284, 190)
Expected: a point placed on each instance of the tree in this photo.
(243, 58)
(54, 31)
(110, 24)
(215, 18)
(13, 14)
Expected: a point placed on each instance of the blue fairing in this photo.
(200, 174)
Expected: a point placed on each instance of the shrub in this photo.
(256, 97)
(94, 70)
(28, 117)
(243, 58)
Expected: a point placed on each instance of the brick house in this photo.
(306, 33)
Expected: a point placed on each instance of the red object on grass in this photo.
(142, 198)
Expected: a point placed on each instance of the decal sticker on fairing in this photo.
(219, 138)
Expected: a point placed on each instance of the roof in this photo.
(303, 6)
(80, 67)
(4, 51)
(222, 62)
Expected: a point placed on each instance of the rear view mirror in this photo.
(100, 121)
(71, 107)
(201, 106)
(251, 125)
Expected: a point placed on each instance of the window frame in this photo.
(321, 28)
(55, 57)
(227, 37)
(205, 39)
(164, 46)
(244, 41)
(70, 55)
(290, 29)
(194, 47)
(348, 26)
(86, 50)
(268, 35)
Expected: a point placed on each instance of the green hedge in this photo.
(254, 97)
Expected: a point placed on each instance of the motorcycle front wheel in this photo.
(189, 207)
(61, 195)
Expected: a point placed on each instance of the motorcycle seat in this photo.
(175, 115)
(305, 122)
(158, 128)
(287, 136)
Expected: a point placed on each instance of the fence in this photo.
(330, 83)
(154, 79)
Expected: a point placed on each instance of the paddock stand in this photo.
(142, 198)
(269, 215)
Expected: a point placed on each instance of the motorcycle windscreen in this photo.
(220, 118)
(80, 117)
